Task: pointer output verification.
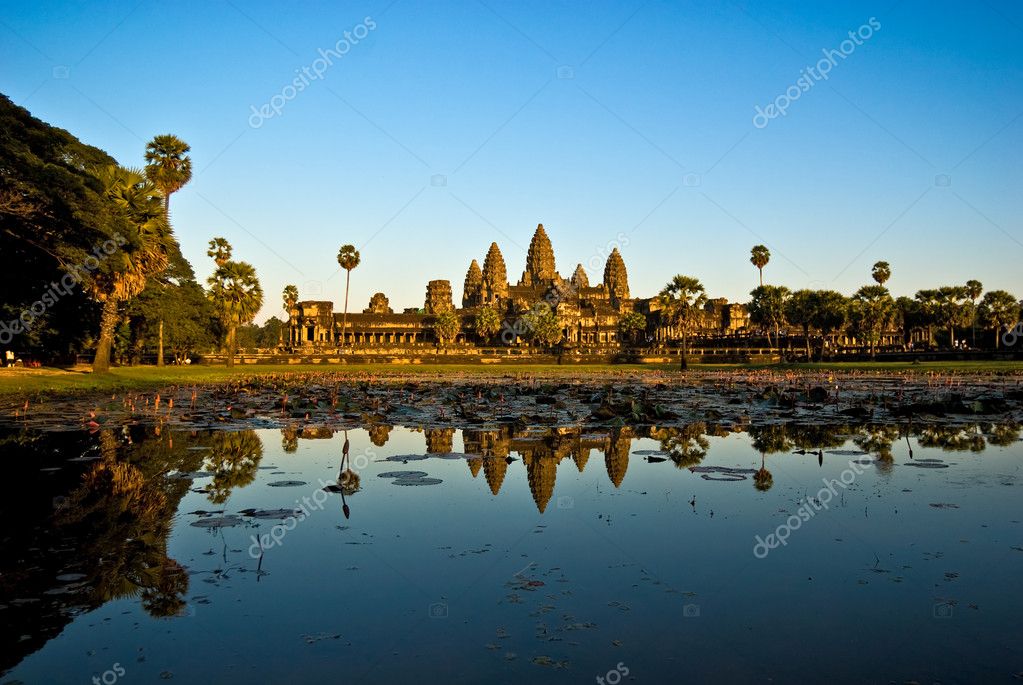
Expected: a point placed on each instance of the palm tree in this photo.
(168, 165)
(348, 258)
(682, 300)
(169, 168)
(998, 310)
(873, 309)
(235, 291)
(143, 253)
(799, 310)
(487, 323)
(974, 289)
(767, 309)
(220, 250)
(881, 272)
(289, 298)
(759, 257)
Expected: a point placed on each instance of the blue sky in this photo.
(451, 125)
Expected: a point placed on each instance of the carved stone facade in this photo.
(588, 316)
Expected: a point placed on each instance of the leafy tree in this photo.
(872, 312)
(830, 313)
(237, 296)
(759, 257)
(486, 323)
(682, 301)
(446, 326)
(998, 310)
(347, 258)
(168, 165)
(543, 327)
(951, 309)
(767, 309)
(799, 311)
(124, 272)
(630, 324)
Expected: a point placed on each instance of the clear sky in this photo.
(449, 125)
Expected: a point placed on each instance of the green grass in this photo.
(27, 382)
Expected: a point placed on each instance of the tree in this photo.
(220, 251)
(123, 272)
(951, 309)
(168, 165)
(235, 292)
(630, 324)
(799, 311)
(881, 272)
(974, 289)
(347, 258)
(998, 310)
(872, 309)
(486, 323)
(682, 301)
(542, 325)
(830, 313)
(289, 298)
(767, 309)
(446, 326)
(759, 257)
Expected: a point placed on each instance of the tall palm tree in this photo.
(348, 258)
(881, 272)
(974, 289)
(759, 257)
(237, 295)
(682, 299)
(123, 275)
(169, 168)
(168, 165)
(220, 251)
(290, 298)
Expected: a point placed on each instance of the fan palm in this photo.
(681, 300)
(347, 258)
(759, 257)
(236, 293)
(881, 272)
(168, 165)
(144, 252)
(289, 299)
(220, 251)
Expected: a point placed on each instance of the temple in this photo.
(589, 316)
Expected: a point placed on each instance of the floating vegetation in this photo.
(287, 483)
(218, 522)
(402, 474)
(417, 481)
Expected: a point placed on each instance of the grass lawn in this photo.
(66, 381)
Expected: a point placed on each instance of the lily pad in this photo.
(287, 483)
(217, 522)
(403, 474)
(417, 481)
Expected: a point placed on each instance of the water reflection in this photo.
(97, 527)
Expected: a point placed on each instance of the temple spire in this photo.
(495, 276)
(472, 291)
(616, 278)
(579, 279)
(539, 260)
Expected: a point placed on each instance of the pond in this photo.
(780, 553)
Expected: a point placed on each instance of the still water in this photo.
(553, 555)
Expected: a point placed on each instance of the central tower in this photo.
(540, 268)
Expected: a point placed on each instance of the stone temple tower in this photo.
(495, 276)
(539, 260)
(472, 291)
(438, 297)
(579, 279)
(616, 278)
